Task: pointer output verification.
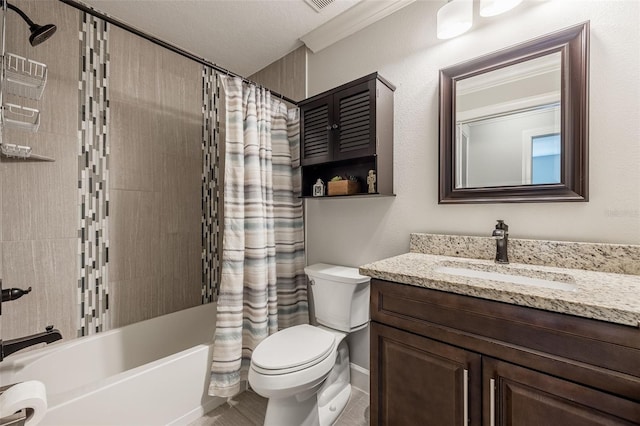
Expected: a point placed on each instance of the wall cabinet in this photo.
(349, 131)
(444, 359)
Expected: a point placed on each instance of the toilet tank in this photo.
(340, 296)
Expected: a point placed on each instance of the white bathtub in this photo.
(155, 372)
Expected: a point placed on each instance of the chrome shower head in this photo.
(39, 33)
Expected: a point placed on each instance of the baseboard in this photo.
(359, 377)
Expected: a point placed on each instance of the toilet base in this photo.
(329, 413)
(320, 408)
(291, 412)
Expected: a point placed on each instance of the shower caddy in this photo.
(26, 79)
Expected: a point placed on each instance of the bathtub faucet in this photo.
(8, 347)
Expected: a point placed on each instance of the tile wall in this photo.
(39, 202)
(287, 75)
(154, 183)
(155, 172)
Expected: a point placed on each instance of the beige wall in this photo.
(404, 49)
(287, 75)
(154, 189)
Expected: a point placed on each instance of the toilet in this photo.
(304, 370)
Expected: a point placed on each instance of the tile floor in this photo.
(248, 409)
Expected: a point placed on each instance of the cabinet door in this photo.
(315, 122)
(418, 381)
(355, 113)
(518, 396)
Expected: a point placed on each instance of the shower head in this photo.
(39, 33)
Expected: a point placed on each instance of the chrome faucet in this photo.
(501, 235)
(8, 347)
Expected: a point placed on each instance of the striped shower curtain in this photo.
(262, 280)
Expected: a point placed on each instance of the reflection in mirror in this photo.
(513, 124)
(508, 125)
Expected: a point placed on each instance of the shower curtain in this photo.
(262, 284)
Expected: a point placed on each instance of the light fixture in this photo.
(454, 18)
(496, 7)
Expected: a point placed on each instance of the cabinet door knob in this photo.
(328, 127)
(334, 126)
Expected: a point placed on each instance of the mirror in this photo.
(513, 124)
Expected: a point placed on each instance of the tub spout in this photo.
(8, 347)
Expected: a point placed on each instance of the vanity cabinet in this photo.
(422, 381)
(439, 358)
(349, 131)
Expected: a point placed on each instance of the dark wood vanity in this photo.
(438, 358)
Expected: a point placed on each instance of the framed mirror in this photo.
(514, 123)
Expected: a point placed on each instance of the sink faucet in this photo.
(8, 347)
(501, 235)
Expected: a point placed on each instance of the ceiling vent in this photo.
(318, 5)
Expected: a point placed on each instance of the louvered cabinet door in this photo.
(317, 132)
(355, 126)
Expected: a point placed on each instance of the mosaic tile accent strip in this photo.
(93, 176)
(211, 194)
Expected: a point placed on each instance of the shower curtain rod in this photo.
(175, 49)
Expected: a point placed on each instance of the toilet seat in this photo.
(293, 349)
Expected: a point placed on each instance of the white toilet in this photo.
(304, 370)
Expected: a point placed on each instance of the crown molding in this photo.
(351, 21)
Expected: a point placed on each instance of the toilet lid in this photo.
(293, 349)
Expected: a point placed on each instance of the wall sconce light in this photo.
(454, 18)
(496, 7)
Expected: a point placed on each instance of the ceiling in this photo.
(242, 36)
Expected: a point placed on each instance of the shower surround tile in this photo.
(38, 213)
(59, 53)
(135, 67)
(93, 176)
(180, 271)
(212, 208)
(155, 180)
(134, 161)
(125, 299)
(50, 268)
(40, 197)
(135, 235)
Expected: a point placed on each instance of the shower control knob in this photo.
(9, 294)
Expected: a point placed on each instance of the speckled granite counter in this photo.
(604, 296)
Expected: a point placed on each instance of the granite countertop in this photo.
(611, 297)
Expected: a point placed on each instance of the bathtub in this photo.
(155, 372)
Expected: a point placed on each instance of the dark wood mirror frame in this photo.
(573, 45)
